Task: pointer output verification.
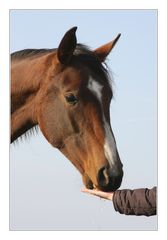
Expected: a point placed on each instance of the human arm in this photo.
(130, 202)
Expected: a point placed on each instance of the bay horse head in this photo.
(70, 101)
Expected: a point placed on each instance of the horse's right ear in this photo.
(103, 51)
(67, 46)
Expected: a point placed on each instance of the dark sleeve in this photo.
(135, 202)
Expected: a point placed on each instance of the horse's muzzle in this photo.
(108, 180)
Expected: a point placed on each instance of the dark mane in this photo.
(22, 54)
(82, 53)
(25, 53)
(87, 57)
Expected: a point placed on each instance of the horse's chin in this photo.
(90, 185)
(88, 182)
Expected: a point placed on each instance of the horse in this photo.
(67, 91)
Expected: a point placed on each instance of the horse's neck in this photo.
(24, 87)
(27, 76)
(22, 119)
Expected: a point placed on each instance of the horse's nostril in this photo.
(103, 177)
(109, 181)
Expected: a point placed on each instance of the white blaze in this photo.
(109, 144)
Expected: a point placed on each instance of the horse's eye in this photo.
(71, 99)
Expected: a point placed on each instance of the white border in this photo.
(4, 115)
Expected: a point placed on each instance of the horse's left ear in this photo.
(67, 46)
(103, 51)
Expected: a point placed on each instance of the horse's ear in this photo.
(67, 46)
(103, 51)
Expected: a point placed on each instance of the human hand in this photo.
(98, 193)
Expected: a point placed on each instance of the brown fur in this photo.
(40, 81)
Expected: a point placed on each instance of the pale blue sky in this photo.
(36, 199)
